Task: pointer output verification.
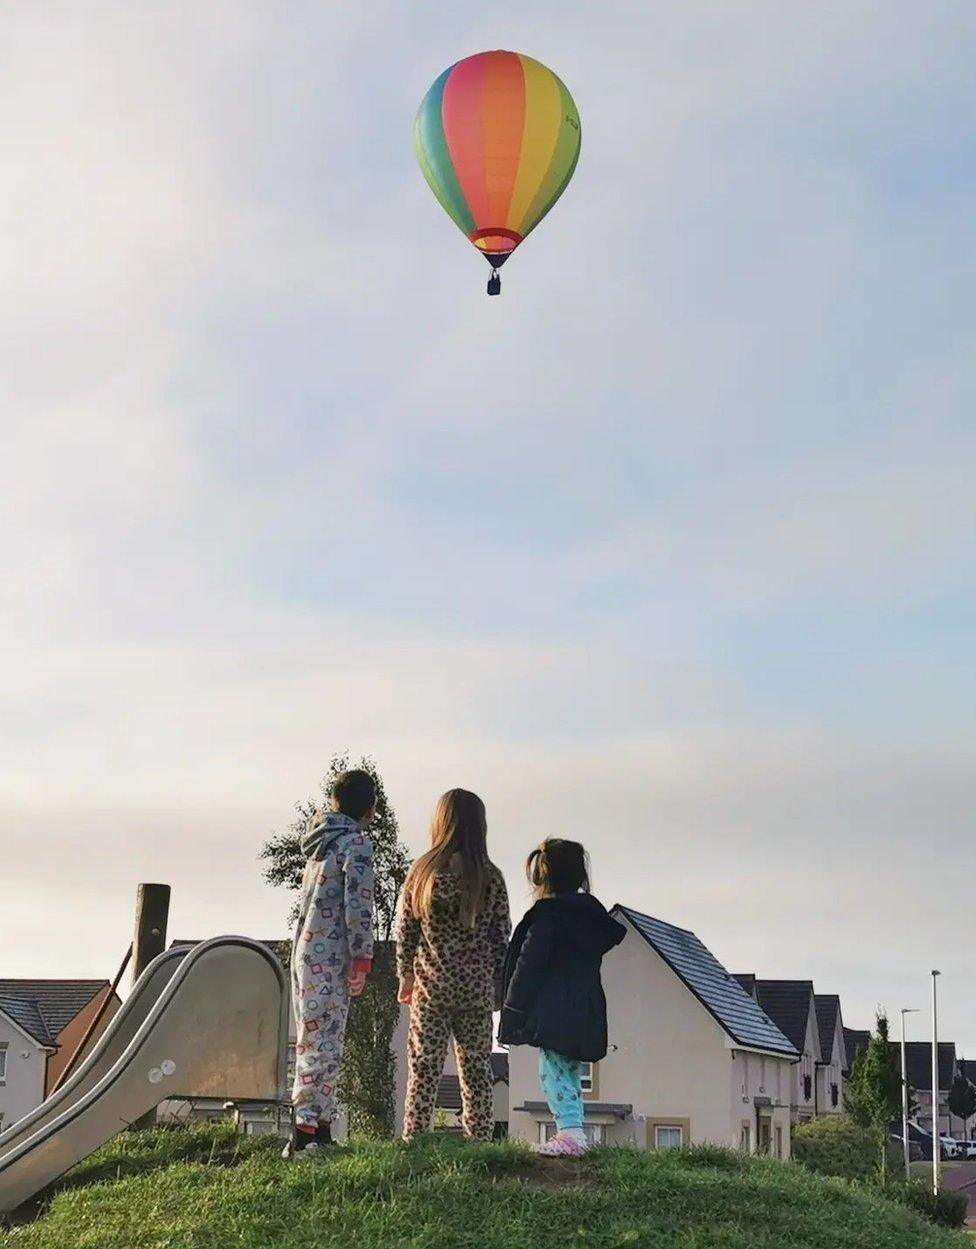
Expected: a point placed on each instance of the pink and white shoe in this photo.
(562, 1145)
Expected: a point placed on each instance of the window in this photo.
(3, 1061)
(745, 1137)
(779, 1141)
(807, 1087)
(834, 1095)
(595, 1133)
(586, 1077)
(668, 1136)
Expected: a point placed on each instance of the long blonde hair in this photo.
(459, 827)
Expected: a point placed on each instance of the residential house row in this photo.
(42, 1023)
(696, 1054)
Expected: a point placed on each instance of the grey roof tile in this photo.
(26, 1013)
(828, 1009)
(56, 1001)
(748, 981)
(720, 993)
(855, 1040)
(788, 1003)
(918, 1063)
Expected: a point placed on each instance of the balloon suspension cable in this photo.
(494, 283)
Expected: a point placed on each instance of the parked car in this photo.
(918, 1137)
(951, 1148)
(967, 1149)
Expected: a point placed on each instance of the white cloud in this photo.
(277, 479)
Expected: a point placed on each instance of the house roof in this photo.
(27, 1015)
(748, 981)
(828, 1012)
(44, 1008)
(448, 1093)
(968, 1068)
(855, 1040)
(723, 997)
(449, 1087)
(918, 1063)
(787, 1003)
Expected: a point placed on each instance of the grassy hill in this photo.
(209, 1188)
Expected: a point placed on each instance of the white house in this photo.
(833, 1055)
(918, 1055)
(790, 1004)
(25, 1046)
(42, 1022)
(692, 1059)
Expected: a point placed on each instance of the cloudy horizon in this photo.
(669, 548)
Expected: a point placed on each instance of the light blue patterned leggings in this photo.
(560, 1080)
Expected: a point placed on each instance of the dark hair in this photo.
(354, 793)
(558, 866)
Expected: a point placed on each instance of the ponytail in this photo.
(558, 866)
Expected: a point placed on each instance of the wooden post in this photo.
(152, 914)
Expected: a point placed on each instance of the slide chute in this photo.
(497, 138)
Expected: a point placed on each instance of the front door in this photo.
(764, 1139)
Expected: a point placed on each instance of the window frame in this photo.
(653, 1122)
(669, 1127)
(595, 1133)
(3, 1062)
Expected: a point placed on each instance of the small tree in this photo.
(962, 1100)
(369, 1066)
(873, 1094)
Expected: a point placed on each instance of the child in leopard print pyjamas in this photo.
(453, 931)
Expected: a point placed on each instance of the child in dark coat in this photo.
(553, 995)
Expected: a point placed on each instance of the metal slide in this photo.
(209, 1021)
(110, 1046)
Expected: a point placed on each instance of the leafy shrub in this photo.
(947, 1209)
(836, 1145)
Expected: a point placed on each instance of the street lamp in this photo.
(905, 1010)
(936, 1134)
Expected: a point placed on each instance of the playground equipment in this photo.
(209, 1020)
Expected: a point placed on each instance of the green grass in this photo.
(177, 1190)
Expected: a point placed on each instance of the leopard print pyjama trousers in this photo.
(431, 1028)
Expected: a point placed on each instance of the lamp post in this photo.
(905, 1010)
(936, 1134)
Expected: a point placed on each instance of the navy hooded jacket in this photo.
(553, 995)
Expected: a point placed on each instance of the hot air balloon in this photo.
(497, 138)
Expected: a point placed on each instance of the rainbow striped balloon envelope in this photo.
(497, 138)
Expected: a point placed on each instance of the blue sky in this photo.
(671, 547)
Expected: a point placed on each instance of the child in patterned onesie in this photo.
(451, 940)
(333, 950)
